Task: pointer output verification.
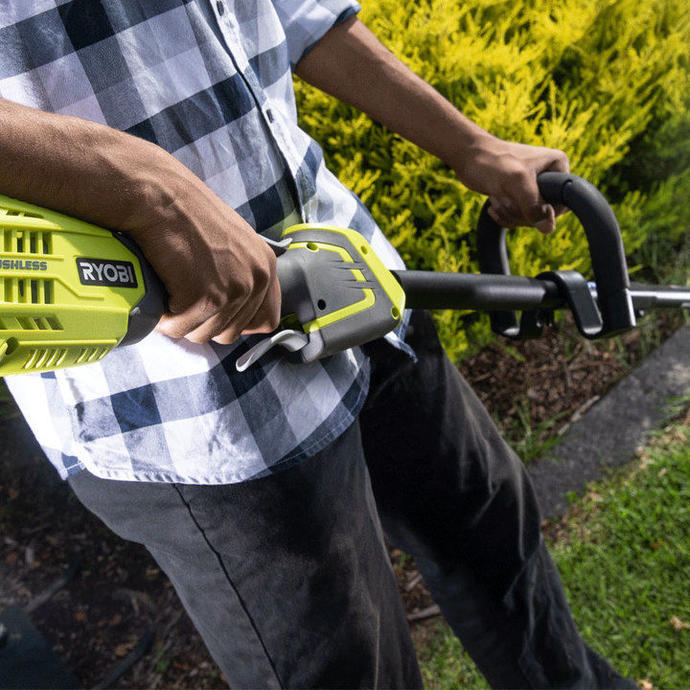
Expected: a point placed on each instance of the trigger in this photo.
(289, 339)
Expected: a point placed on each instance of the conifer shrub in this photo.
(605, 80)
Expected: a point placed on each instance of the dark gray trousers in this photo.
(287, 577)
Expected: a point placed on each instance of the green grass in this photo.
(624, 555)
(528, 440)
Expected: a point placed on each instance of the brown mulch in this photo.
(96, 619)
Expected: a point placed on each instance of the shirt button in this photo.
(269, 114)
(220, 7)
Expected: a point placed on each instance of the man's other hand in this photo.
(350, 63)
(507, 173)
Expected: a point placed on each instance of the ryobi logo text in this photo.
(102, 272)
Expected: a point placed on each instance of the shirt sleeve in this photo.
(305, 22)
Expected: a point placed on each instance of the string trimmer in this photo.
(70, 291)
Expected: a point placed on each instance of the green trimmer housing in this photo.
(71, 291)
(68, 290)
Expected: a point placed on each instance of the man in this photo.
(260, 493)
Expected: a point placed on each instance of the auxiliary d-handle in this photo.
(605, 249)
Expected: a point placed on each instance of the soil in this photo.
(532, 388)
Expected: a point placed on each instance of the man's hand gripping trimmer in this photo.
(70, 292)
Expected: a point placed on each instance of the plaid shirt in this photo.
(211, 83)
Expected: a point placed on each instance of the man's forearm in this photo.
(219, 274)
(83, 168)
(351, 64)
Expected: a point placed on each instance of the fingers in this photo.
(523, 203)
(181, 322)
(265, 319)
(507, 214)
(260, 314)
(548, 224)
(533, 208)
(560, 164)
(218, 318)
(221, 323)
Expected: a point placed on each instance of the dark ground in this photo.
(532, 389)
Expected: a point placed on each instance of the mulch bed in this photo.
(96, 619)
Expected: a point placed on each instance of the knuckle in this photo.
(266, 322)
(515, 169)
(512, 208)
(522, 177)
(226, 337)
(270, 255)
(265, 256)
(274, 320)
(211, 302)
(241, 291)
(536, 213)
(267, 269)
(263, 328)
(174, 331)
(262, 278)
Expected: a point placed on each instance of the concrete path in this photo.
(610, 432)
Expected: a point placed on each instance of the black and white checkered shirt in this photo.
(210, 82)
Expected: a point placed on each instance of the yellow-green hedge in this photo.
(605, 80)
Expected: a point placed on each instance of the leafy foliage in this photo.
(605, 80)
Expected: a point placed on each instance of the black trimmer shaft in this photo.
(480, 291)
